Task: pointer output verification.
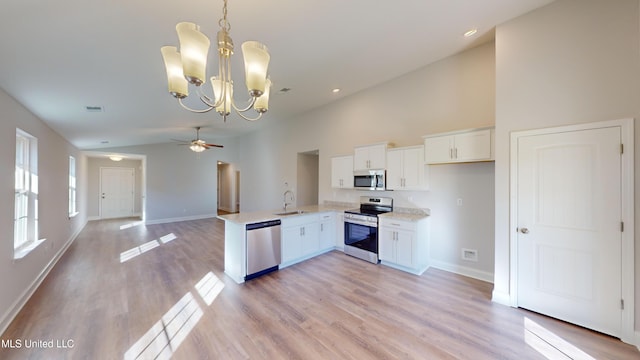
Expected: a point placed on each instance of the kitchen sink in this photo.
(292, 212)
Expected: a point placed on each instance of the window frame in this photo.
(26, 225)
(73, 187)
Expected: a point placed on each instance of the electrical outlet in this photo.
(470, 254)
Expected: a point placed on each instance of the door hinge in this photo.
(621, 226)
(621, 304)
(621, 148)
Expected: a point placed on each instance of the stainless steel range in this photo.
(361, 227)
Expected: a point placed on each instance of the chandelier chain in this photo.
(223, 23)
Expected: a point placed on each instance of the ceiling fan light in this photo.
(262, 103)
(225, 106)
(194, 48)
(197, 148)
(256, 63)
(178, 86)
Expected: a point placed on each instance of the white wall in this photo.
(19, 278)
(455, 93)
(573, 61)
(93, 199)
(180, 184)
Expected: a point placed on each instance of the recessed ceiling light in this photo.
(284, 90)
(335, 90)
(470, 32)
(104, 142)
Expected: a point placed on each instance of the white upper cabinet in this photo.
(370, 157)
(466, 146)
(342, 172)
(406, 169)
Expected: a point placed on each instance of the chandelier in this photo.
(189, 67)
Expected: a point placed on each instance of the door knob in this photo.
(524, 230)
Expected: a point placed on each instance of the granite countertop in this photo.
(407, 214)
(266, 215)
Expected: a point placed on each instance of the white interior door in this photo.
(569, 216)
(116, 192)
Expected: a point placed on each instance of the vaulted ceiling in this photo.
(58, 57)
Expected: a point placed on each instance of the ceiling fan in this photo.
(197, 145)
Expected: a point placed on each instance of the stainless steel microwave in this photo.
(369, 180)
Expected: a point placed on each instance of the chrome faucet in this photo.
(285, 199)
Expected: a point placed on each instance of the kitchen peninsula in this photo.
(306, 232)
(309, 231)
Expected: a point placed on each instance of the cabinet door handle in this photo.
(450, 153)
(455, 152)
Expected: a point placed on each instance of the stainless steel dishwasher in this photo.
(263, 248)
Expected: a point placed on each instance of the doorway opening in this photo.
(228, 189)
(307, 177)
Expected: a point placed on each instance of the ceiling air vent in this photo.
(94, 109)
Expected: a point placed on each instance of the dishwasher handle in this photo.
(264, 224)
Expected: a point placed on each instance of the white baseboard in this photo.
(462, 270)
(15, 308)
(177, 219)
(93, 218)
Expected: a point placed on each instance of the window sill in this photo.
(72, 215)
(24, 250)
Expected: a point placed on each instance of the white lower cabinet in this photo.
(404, 244)
(300, 238)
(327, 230)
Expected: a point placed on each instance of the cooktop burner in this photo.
(373, 206)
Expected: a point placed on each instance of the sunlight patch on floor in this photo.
(549, 344)
(165, 336)
(131, 253)
(165, 239)
(130, 225)
(209, 287)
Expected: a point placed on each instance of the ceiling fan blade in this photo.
(178, 140)
(213, 145)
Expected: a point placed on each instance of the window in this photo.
(72, 187)
(25, 231)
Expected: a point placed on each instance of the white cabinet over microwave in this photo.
(460, 146)
(370, 157)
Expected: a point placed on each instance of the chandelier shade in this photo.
(188, 66)
(256, 62)
(262, 103)
(178, 85)
(194, 48)
(219, 92)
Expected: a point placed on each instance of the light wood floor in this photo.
(330, 307)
